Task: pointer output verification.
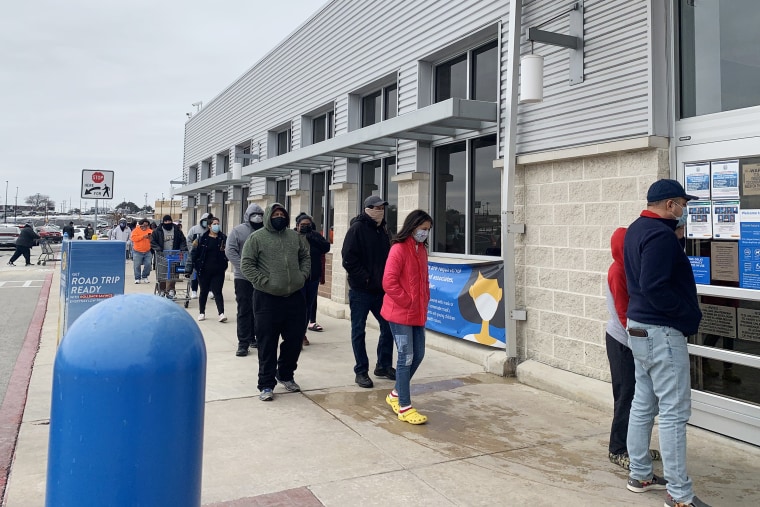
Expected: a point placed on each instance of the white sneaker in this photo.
(145, 280)
(202, 316)
(194, 295)
(222, 318)
(211, 295)
(137, 281)
(172, 294)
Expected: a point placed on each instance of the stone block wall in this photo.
(570, 209)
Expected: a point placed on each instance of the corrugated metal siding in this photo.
(407, 87)
(612, 102)
(258, 186)
(406, 160)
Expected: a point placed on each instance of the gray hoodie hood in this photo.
(252, 209)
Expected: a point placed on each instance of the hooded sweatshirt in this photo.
(365, 251)
(617, 291)
(237, 237)
(276, 262)
(197, 231)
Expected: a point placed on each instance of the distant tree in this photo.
(40, 201)
(148, 209)
(128, 207)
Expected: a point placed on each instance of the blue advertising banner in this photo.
(91, 271)
(749, 249)
(466, 301)
(701, 268)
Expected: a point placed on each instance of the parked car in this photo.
(49, 233)
(78, 233)
(8, 236)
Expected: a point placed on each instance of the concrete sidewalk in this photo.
(489, 441)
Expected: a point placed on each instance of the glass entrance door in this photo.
(723, 240)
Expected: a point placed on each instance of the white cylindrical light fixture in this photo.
(237, 171)
(531, 79)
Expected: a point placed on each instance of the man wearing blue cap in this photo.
(662, 311)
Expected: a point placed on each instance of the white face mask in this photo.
(257, 219)
(375, 214)
(486, 306)
(420, 235)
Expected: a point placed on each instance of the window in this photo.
(246, 160)
(719, 66)
(281, 188)
(322, 127)
(322, 208)
(192, 174)
(225, 210)
(245, 192)
(283, 142)
(467, 198)
(472, 75)
(222, 163)
(379, 105)
(376, 179)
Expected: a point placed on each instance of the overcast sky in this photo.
(98, 84)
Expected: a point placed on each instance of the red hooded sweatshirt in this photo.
(616, 275)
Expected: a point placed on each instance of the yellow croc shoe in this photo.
(412, 417)
(393, 402)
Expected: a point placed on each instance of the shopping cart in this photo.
(170, 268)
(47, 253)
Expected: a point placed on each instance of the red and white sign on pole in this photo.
(97, 184)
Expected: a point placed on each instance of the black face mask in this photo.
(257, 225)
(279, 223)
(305, 229)
(168, 227)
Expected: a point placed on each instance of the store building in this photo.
(417, 101)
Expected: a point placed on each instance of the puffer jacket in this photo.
(276, 262)
(27, 237)
(406, 286)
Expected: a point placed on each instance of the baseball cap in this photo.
(667, 189)
(374, 200)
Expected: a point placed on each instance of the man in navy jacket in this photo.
(662, 311)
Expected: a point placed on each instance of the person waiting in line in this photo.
(407, 294)
(24, 244)
(253, 220)
(276, 260)
(121, 232)
(210, 262)
(88, 232)
(193, 234)
(69, 230)
(622, 369)
(167, 237)
(318, 246)
(141, 256)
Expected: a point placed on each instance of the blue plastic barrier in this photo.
(126, 421)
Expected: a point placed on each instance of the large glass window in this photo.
(322, 209)
(281, 188)
(376, 179)
(322, 127)
(472, 75)
(245, 191)
(467, 198)
(246, 160)
(719, 60)
(380, 105)
(283, 142)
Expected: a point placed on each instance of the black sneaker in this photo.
(389, 372)
(695, 502)
(363, 380)
(646, 485)
(290, 385)
(254, 345)
(242, 350)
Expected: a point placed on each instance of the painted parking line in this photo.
(14, 284)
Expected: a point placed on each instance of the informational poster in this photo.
(718, 320)
(701, 268)
(726, 221)
(699, 224)
(91, 271)
(751, 179)
(466, 301)
(749, 324)
(749, 249)
(725, 179)
(725, 261)
(697, 178)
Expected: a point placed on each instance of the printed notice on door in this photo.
(751, 179)
(719, 320)
(749, 324)
(725, 261)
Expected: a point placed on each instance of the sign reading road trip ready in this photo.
(97, 184)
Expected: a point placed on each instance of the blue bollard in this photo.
(126, 421)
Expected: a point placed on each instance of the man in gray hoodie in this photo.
(194, 233)
(253, 220)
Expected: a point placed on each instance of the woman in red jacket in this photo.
(405, 282)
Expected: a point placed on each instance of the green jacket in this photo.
(276, 262)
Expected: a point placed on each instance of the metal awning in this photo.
(449, 118)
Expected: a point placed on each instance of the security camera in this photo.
(189, 115)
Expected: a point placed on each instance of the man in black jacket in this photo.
(24, 243)
(69, 229)
(365, 250)
(167, 237)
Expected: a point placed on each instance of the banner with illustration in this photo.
(467, 302)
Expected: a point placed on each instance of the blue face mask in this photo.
(215, 227)
(684, 215)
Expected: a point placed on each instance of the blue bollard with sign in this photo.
(126, 421)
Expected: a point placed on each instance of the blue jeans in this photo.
(663, 386)
(141, 260)
(410, 344)
(361, 303)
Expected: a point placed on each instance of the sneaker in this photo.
(266, 395)
(222, 318)
(172, 294)
(641, 486)
(290, 385)
(621, 460)
(363, 380)
(254, 344)
(211, 295)
(137, 281)
(306, 342)
(389, 372)
(202, 316)
(242, 350)
(10, 263)
(145, 280)
(194, 295)
(695, 502)
(28, 264)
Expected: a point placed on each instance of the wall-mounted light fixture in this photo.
(532, 66)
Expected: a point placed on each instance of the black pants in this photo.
(623, 386)
(213, 281)
(194, 283)
(278, 316)
(22, 250)
(309, 290)
(313, 311)
(245, 320)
